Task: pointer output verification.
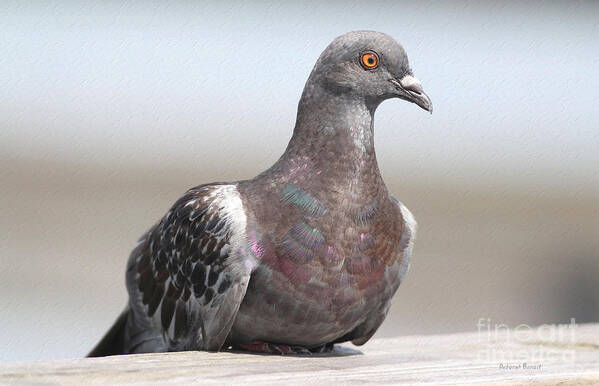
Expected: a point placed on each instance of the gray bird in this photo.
(307, 254)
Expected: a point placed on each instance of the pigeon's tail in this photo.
(113, 343)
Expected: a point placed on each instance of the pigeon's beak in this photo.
(411, 90)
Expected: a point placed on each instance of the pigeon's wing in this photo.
(189, 273)
(364, 332)
(406, 241)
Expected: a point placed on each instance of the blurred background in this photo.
(109, 112)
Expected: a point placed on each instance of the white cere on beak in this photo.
(412, 84)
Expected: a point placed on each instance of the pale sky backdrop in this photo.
(109, 111)
(514, 86)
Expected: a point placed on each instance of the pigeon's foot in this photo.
(282, 349)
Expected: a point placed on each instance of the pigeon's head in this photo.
(369, 65)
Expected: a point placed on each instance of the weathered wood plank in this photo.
(481, 357)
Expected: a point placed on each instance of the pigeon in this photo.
(307, 254)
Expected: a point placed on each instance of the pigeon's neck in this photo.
(332, 142)
(335, 122)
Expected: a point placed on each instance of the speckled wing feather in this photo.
(188, 274)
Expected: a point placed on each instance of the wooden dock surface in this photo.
(523, 356)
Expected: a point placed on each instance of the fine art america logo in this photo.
(524, 347)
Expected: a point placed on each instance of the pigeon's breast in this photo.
(320, 276)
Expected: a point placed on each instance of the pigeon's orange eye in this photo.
(369, 60)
